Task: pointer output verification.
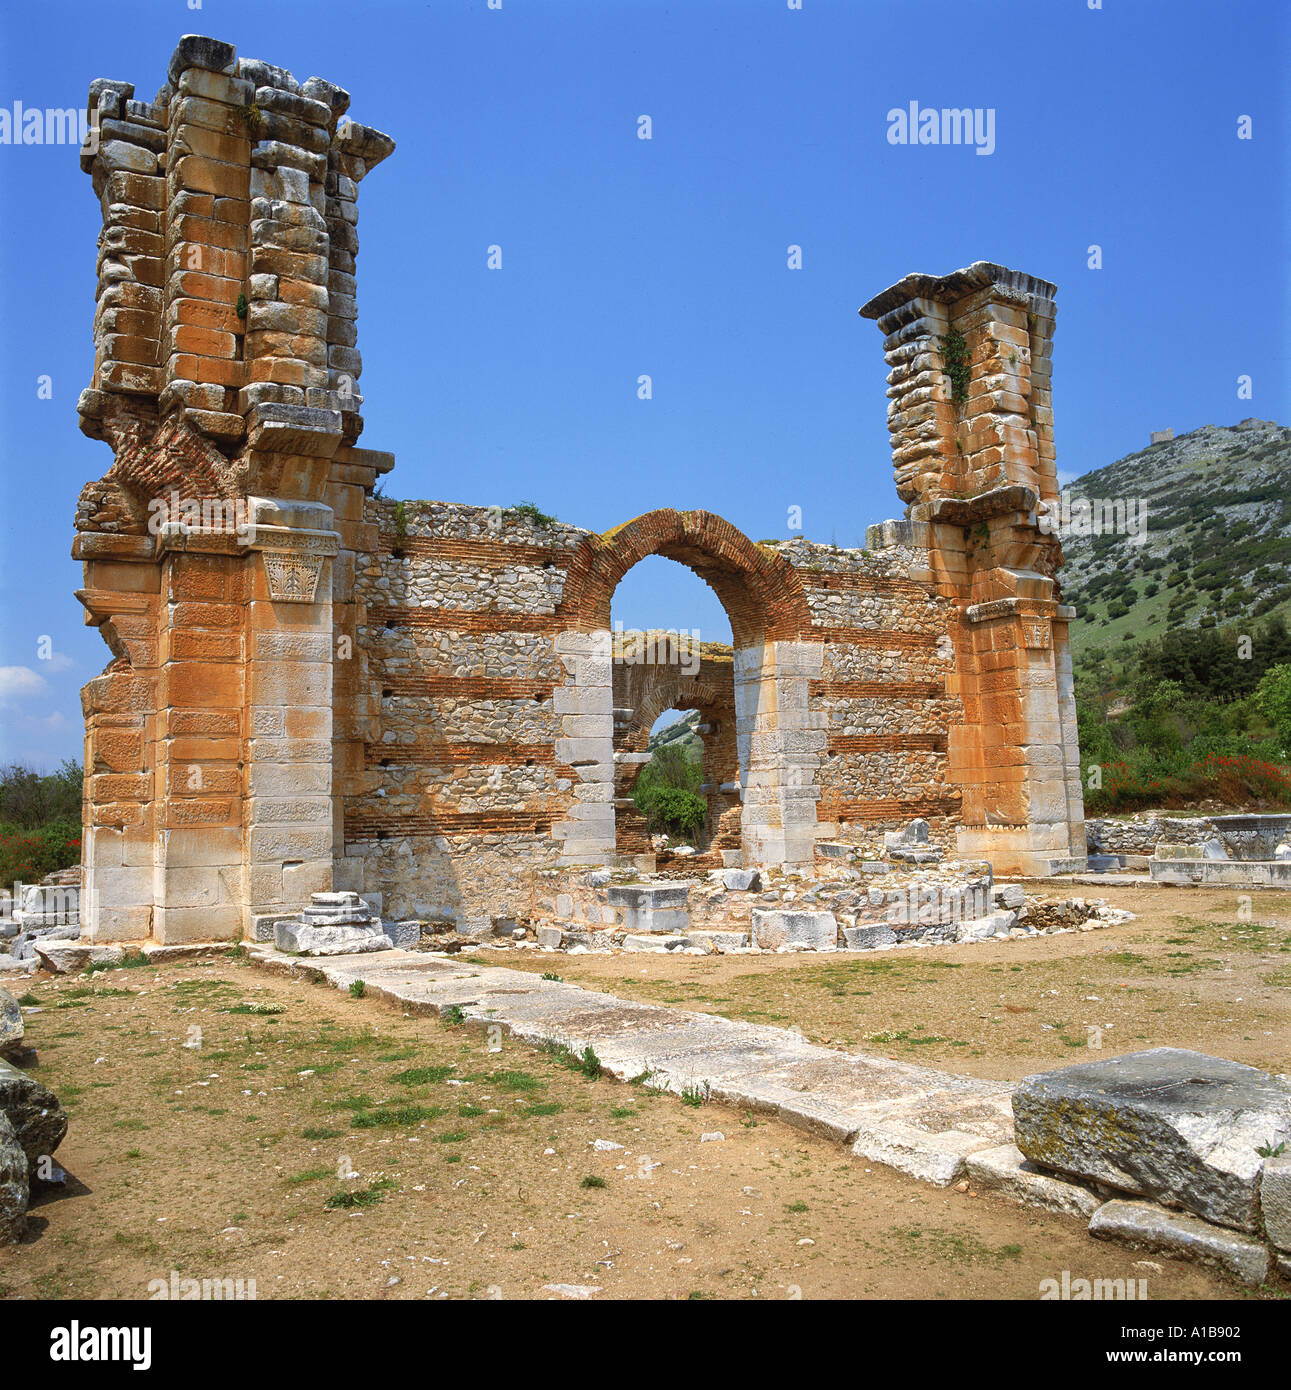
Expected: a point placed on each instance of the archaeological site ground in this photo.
(392, 966)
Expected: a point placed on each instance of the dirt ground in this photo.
(213, 1106)
(1197, 968)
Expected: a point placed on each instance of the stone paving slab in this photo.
(916, 1119)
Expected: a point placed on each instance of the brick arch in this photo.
(759, 589)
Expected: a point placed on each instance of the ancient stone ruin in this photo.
(316, 690)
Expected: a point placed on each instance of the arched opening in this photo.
(751, 695)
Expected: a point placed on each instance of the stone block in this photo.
(1145, 1226)
(296, 937)
(1007, 1170)
(63, 957)
(1167, 1123)
(1275, 1201)
(775, 927)
(869, 936)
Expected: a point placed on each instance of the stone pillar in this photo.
(225, 380)
(585, 705)
(780, 742)
(972, 434)
(288, 812)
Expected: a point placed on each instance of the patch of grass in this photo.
(694, 1095)
(551, 975)
(424, 1076)
(545, 1107)
(470, 1112)
(260, 1009)
(515, 1080)
(314, 1132)
(357, 989)
(364, 1197)
(395, 1116)
(592, 1181)
(452, 1015)
(950, 1247)
(622, 1112)
(310, 1175)
(30, 1000)
(796, 1207)
(453, 1136)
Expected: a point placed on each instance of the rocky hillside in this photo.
(1217, 545)
(682, 731)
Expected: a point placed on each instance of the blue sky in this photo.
(621, 257)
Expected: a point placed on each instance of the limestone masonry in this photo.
(316, 690)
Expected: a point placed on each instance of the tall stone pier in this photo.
(226, 382)
(971, 422)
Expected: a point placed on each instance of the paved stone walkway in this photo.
(919, 1121)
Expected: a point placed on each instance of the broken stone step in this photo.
(656, 942)
(1146, 1226)
(1009, 1171)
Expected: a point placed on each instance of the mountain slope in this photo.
(1217, 547)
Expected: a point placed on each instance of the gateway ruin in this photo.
(421, 702)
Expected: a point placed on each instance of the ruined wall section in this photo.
(451, 802)
(885, 690)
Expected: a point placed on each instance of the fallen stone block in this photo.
(651, 907)
(1146, 1226)
(1275, 1201)
(720, 940)
(38, 1120)
(1009, 1171)
(14, 1191)
(1008, 895)
(550, 938)
(739, 880)
(64, 957)
(403, 935)
(775, 927)
(11, 965)
(655, 942)
(983, 928)
(1167, 1123)
(869, 938)
(298, 939)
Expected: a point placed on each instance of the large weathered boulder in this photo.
(33, 1110)
(1177, 1126)
(13, 1184)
